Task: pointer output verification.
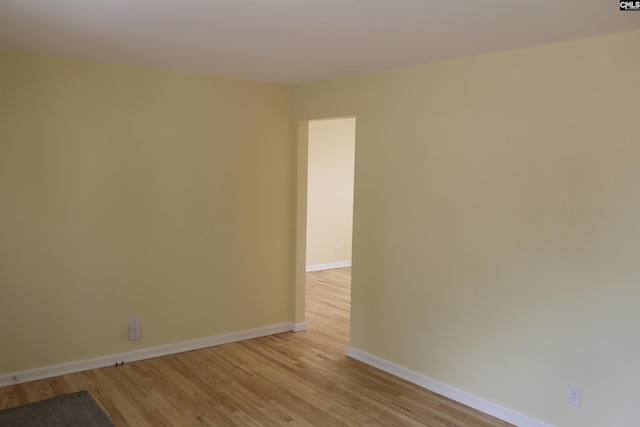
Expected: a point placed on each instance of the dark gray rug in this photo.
(71, 410)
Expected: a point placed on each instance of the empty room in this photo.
(156, 264)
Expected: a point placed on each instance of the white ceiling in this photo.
(297, 41)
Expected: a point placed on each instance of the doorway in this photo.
(324, 227)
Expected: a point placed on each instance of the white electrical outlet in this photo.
(573, 396)
(335, 247)
(134, 329)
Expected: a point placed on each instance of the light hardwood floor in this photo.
(299, 378)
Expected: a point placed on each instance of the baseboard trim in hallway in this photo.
(330, 266)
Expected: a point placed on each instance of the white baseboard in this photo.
(446, 390)
(145, 353)
(299, 326)
(318, 267)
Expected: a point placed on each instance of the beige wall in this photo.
(496, 238)
(330, 191)
(128, 191)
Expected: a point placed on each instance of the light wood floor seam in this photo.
(294, 379)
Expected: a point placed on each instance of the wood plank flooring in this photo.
(298, 379)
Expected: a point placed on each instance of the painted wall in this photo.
(330, 191)
(129, 191)
(496, 234)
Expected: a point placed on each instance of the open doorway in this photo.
(326, 161)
